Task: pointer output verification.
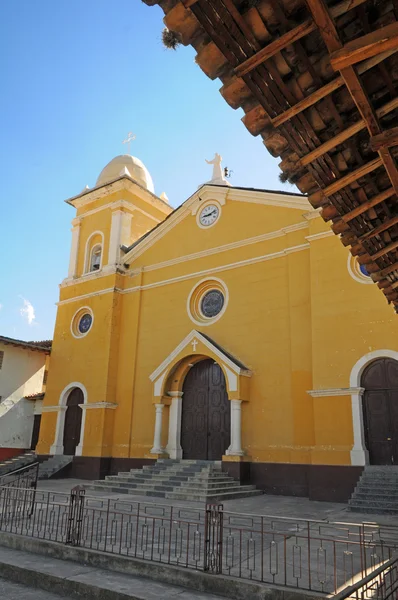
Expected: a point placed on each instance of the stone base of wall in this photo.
(10, 452)
(327, 483)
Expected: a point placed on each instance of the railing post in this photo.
(75, 517)
(213, 538)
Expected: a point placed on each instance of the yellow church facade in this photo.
(235, 327)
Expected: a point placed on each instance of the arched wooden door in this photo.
(73, 421)
(206, 420)
(380, 407)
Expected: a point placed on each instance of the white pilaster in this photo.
(174, 442)
(235, 448)
(58, 445)
(114, 242)
(157, 439)
(74, 248)
(359, 453)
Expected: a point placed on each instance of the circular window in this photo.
(212, 303)
(207, 301)
(85, 323)
(82, 322)
(357, 271)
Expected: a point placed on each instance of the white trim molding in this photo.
(72, 270)
(359, 452)
(187, 340)
(58, 445)
(333, 392)
(90, 405)
(319, 236)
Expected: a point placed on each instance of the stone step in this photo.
(177, 478)
(237, 492)
(369, 494)
(371, 509)
(194, 489)
(169, 482)
(381, 503)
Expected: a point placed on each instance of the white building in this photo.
(23, 372)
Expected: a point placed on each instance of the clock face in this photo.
(85, 323)
(209, 215)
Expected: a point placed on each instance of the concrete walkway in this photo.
(75, 580)
(15, 591)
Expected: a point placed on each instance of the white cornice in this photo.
(121, 183)
(204, 272)
(336, 392)
(104, 272)
(222, 194)
(117, 205)
(312, 214)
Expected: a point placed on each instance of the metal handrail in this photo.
(350, 590)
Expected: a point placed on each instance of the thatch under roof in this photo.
(317, 80)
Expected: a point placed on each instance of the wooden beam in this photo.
(384, 272)
(365, 47)
(324, 91)
(308, 101)
(346, 134)
(383, 227)
(386, 139)
(274, 47)
(350, 178)
(385, 250)
(331, 38)
(359, 210)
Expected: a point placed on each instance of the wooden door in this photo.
(206, 421)
(380, 406)
(73, 421)
(35, 431)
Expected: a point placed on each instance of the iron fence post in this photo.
(213, 538)
(75, 516)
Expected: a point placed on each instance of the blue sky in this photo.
(76, 77)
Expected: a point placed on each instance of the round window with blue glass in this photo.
(85, 323)
(82, 322)
(364, 270)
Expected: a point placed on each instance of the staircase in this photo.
(376, 491)
(17, 462)
(52, 466)
(196, 480)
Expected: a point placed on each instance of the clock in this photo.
(209, 215)
(85, 323)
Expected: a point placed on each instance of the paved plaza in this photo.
(280, 506)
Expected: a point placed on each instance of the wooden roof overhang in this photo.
(317, 80)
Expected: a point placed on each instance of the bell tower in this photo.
(114, 214)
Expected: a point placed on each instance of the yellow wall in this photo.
(295, 318)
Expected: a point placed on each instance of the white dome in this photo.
(135, 167)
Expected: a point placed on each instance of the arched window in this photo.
(95, 258)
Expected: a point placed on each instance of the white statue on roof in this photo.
(218, 177)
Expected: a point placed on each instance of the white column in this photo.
(235, 448)
(79, 447)
(74, 248)
(58, 445)
(359, 453)
(114, 241)
(175, 413)
(157, 439)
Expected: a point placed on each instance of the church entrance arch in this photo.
(73, 421)
(206, 413)
(380, 410)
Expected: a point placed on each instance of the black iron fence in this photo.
(381, 584)
(311, 555)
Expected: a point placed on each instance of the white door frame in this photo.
(58, 445)
(359, 452)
